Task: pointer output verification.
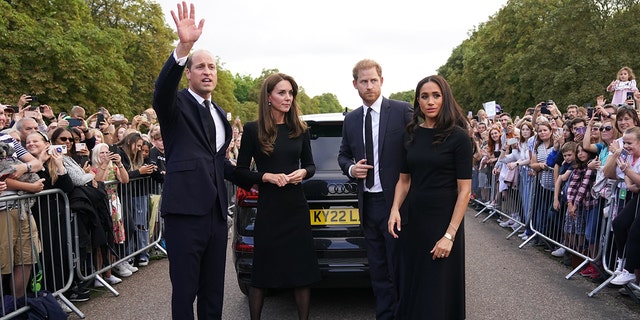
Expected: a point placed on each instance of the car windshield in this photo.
(325, 143)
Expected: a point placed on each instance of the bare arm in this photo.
(402, 188)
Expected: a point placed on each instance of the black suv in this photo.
(333, 204)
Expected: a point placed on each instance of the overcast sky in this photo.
(318, 43)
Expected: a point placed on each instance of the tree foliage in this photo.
(534, 50)
(90, 53)
(407, 96)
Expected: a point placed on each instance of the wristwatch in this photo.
(448, 236)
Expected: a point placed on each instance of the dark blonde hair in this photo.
(267, 128)
(366, 64)
(629, 71)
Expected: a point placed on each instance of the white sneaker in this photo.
(623, 278)
(64, 307)
(559, 252)
(122, 270)
(525, 237)
(507, 223)
(112, 280)
(129, 266)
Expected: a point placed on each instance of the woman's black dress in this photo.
(434, 289)
(284, 254)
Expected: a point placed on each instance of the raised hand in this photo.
(188, 32)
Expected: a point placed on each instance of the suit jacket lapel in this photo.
(360, 143)
(385, 111)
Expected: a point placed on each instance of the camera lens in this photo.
(59, 150)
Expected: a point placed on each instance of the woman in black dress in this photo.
(284, 255)
(436, 184)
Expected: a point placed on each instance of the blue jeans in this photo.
(139, 211)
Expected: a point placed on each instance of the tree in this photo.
(327, 103)
(407, 96)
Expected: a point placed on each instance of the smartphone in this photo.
(470, 114)
(544, 109)
(113, 149)
(81, 146)
(34, 98)
(100, 119)
(62, 114)
(30, 114)
(589, 111)
(74, 122)
(629, 95)
(624, 154)
(512, 141)
(229, 116)
(560, 130)
(60, 148)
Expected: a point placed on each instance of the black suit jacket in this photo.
(195, 171)
(394, 117)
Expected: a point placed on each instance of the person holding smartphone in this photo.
(136, 208)
(624, 83)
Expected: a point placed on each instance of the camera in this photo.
(629, 95)
(59, 148)
(34, 98)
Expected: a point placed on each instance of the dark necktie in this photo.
(368, 146)
(209, 125)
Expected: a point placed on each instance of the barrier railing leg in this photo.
(574, 271)
(107, 286)
(71, 306)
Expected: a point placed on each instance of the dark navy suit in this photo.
(374, 208)
(194, 203)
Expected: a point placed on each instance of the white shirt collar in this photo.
(197, 97)
(376, 106)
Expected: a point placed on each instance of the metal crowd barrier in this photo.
(46, 231)
(586, 237)
(61, 258)
(138, 203)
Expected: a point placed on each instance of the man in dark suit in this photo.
(387, 126)
(194, 204)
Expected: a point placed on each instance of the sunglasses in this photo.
(66, 139)
(606, 128)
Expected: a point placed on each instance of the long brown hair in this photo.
(135, 159)
(267, 128)
(450, 116)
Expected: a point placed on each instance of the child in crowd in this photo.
(579, 201)
(624, 83)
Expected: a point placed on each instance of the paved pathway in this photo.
(503, 282)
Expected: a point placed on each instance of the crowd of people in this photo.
(556, 173)
(96, 161)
